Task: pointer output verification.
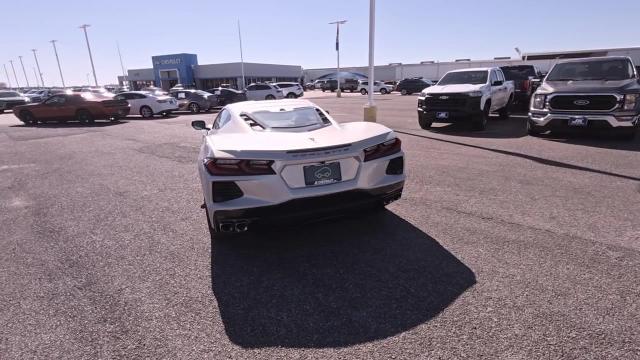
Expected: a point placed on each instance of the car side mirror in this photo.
(497, 83)
(199, 125)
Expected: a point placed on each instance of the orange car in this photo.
(68, 107)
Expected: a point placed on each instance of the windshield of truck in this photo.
(465, 77)
(616, 69)
(518, 72)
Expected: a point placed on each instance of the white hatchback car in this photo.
(378, 86)
(262, 91)
(269, 163)
(146, 104)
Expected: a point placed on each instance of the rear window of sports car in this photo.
(289, 119)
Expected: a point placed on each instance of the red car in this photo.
(68, 107)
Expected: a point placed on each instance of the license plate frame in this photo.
(578, 121)
(322, 174)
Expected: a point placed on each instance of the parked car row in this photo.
(601, 94)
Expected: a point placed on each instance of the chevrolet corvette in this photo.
(269, 163)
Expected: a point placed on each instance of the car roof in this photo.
(474, 69)
(598, 58)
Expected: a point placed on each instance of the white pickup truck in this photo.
(466, 95)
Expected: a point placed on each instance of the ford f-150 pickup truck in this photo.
(601, 94)
(466, 95)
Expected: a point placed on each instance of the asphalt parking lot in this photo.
(503, 246)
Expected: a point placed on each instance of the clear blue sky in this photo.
(296, 32)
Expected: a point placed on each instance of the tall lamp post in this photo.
(370, 110)
(86, 37)
(53, 42)
(338, 23)
(24, 71)
(7, 74)
(14, 74)
(35, 74)
(38, 65)
(241, 58)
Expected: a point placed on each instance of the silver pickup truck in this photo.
(466, 95)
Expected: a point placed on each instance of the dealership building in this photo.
(169, 70)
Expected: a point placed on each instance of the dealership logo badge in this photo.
(581, 102)
(322, 173)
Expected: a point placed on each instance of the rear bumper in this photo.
(550, 121)
(311, 208)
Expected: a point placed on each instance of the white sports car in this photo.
(266, 163)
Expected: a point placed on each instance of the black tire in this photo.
(404, 92)
(384, 91)
(424, 124)
(480, 122)
(504, 112)
(350, 90)
(84, 116)
(28, 118)
(291, 96)
(194, 108)
(363, 91)
(322, 90)
(533, 130)
(146, 112)
(269, 97)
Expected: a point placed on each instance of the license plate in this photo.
(442, 115)
(322, 174)
(578, 121)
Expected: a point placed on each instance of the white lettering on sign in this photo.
(175, 61)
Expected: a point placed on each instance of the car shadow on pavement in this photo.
(514, 127)
(73, 124)
(604, 141)
(332, 284)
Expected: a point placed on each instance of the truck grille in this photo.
(583, 102)
(444, 102)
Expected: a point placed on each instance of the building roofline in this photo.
(579, 51)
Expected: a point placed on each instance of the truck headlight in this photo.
(630, 101)
(538, 101)
(475, 93)
(423, 94)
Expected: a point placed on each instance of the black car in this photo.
(227, 96)
(346, 84)
(525, 80)
(412, 85)
(9, 99)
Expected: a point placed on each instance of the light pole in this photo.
(38, 65)
(35, 74)
(24, 71)
(338, 23)
(86, 37)
(14, 74)
(241, 58)
(53, 42)
(7, 73)
(370, 110)
(88, 81)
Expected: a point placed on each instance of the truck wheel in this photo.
(504, 112)
(480, 123)
(424, 124)
(533, 130)
(84, 116)
(363, 92)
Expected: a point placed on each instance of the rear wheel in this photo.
(291, 96)
(383, 91)
(363, 91)
(404, 92)
(194, 108)
(28, 118)
(84, 116)
(146, 112)
(269, 97)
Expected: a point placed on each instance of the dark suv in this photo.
(601, 94)
(412, 85)
(525, 78)
(347, 84)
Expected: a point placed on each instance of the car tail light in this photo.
(386, 148)
(236, 167)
